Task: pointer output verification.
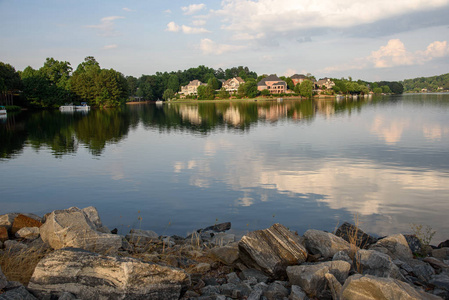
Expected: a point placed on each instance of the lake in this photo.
(177, 167)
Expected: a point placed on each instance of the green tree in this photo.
(250, 88)
(386, 89)
(168, 94)
(267, 92)
(306, 89)
(173, 83)
(223, 94)
(132, 85)
(377, 90)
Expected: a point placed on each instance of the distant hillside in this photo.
(432, 84)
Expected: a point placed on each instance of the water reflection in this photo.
(310, 163)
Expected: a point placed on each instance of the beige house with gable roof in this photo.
(191, 88)
(232, 85)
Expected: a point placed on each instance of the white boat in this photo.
(67, 107)
(2, 110)
(83, 106)
(159, 102)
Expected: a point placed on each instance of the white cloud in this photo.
(199, 22)
(167, 11)
(210, 47)
(193, 8)
(106, 26)
(290, 72)
(173, 27)
(128, 9)
(109, 47)
(394, 54)
(281, 16)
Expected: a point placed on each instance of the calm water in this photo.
(310, 164)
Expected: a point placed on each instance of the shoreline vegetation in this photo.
(57, 83)
(70, 254)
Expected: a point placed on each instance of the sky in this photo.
(369, 40)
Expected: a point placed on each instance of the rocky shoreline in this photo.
(69, 254)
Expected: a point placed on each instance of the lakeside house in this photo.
(191, 88)
(298, 78)
(232, 85)
(272, 83)
(325, 82)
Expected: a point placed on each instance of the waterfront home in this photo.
(232, 85)
(191, 88)
(272, 83)
(298, 78)
(324, 82)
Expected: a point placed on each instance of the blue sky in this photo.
(375, 40)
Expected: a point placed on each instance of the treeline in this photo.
(431, 84)
(166, 85)
(55, 83)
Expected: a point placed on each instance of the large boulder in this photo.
(376, 263)
(93, 276)
(312, 278)
(324, 243)
(396, 246)
(368, 287)
(272, 250)
(73, 228)
(352, 233)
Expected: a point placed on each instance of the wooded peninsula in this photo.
(56, 83)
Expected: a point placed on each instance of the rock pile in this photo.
(84, 260)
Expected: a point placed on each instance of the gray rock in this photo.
(233, 278)
(15, 246)
(435, 263)
(414, 243)
(324, 243)
(235, 290)
(367, 287)
(3, 280)
(271, 250)
(29, 233)
(334, 286)
(352, 233)
(72, 228)
(92, 276)
(217, 227)
(67, 296)
(253, 273)
(227, 254)
(378, 264)
(441, 281)
(92, 214)
(141, 237)
(297, 293)
(312, 278)
(222, 239)
(20, 293)
(342, 255)
(396, 246)
(443, 244)
(276, 291)
(441, 254)
(421, 269)
(210, 290)
(255, 295)
(201, 268)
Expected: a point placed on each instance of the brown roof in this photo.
(298, 76)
